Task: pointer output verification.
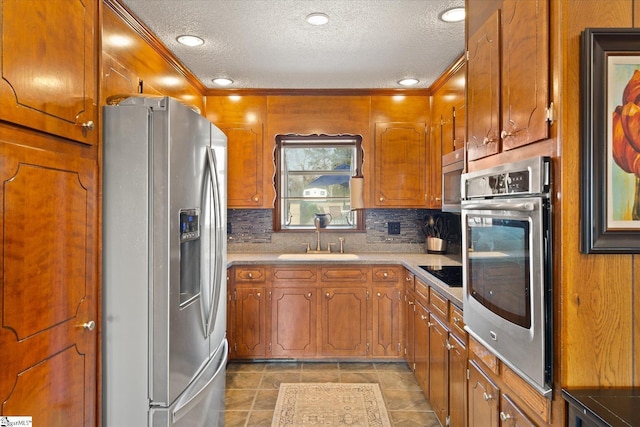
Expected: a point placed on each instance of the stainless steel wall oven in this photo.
(507, 272)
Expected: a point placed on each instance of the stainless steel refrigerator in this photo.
(164, 266)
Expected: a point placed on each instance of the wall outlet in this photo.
(393, 228)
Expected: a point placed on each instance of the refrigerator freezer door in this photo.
(202, 403)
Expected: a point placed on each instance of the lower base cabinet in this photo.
(293, 321)
(295, 311)
(344, 322)
(457, 382)
(483, 399)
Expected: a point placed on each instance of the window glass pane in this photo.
(314, 178)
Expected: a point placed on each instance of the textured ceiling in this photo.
(267, 44)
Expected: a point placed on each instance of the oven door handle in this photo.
(519, 206)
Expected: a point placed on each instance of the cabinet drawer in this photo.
(344, 274)
(409, 280)
(250, 274)
(385, 274)
(456, 320)
(481, 353)
(422, 289)
(291, 274)
(439, 304)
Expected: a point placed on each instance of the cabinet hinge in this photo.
(467, 55)
(399, 296)
(235, 347)
(367, 295)
(269, 295)
(447, 421)
(399, 348)
(235, 295)
(368, 347)
(468, 375)
(269, 347)
(551, 113)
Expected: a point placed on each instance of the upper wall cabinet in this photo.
(508, 79)
(245, 164)
(400, 159)
(48, 63)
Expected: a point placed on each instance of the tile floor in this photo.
(252, 389)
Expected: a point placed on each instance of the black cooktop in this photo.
(449, 274)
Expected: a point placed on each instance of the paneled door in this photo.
(48, 281)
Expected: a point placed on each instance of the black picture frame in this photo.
(600, 231)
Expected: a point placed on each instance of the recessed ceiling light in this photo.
(188, 40)
(222, 81)
(408, 82)
(455, 14)
(317, 18)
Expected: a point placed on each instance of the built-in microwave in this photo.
(452, 167)
(506, 261)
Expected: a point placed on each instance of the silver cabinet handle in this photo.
(486, 396)
(379, 294)
(90, 325)
(250, 275)
(504, 417)
(309, 295)
(87, 125)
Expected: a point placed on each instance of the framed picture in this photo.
(610, 141)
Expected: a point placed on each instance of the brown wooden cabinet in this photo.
(483, 399)
(245, 171)
(385, 315)
(309, 311)
(249, 312)
(400, 159)
(457, 382)
(293, 321)
(511, 415)
(49, 67)
(421, 347)
(508, 79)
(439, 368)
(49, 278)
(344, 321)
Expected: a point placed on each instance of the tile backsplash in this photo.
(251, 230)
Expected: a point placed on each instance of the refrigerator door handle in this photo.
(191, 397)
(214, 285)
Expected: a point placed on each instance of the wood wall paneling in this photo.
(595, 313)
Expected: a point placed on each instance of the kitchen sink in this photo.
(319, 257)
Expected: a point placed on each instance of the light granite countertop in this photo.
(411, 261)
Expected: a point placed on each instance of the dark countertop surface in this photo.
(615, 407)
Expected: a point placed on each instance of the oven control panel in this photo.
(526, 177)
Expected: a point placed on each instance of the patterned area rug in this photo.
(330, 404)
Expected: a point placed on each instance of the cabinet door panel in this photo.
(293, 322)
(48, 253)
(250, 322)
(421, 347)
(511, 415)
(483, 399)
(400, 159)
(48, 68)
(457, 382)
(439, 369)
(483, 90)
(245, 165)
(525, 79)
(344, 321)
(386, 321)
